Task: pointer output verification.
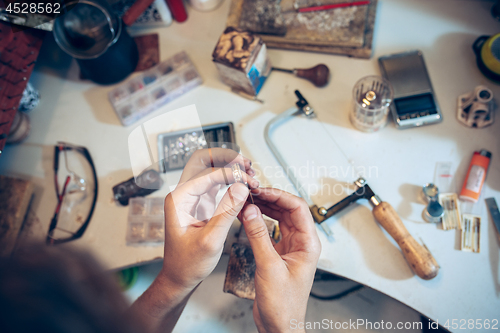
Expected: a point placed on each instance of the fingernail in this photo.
(250, 213)
(251, 172)
(254, 183)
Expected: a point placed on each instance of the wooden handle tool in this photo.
(318, 75)
(418, 257)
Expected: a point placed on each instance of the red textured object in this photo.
(177, 9)
(18, 54)
(135, 11)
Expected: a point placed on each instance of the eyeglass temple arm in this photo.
(56, 158)
(82, 229)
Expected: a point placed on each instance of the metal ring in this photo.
(238, 177)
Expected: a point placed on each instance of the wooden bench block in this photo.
(240, 272)
(15, 197)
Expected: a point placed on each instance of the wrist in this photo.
(170, 289)
(293, 326)
(161, 305)
(283, 330)
(163, 296)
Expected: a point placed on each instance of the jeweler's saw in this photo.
(418, 257)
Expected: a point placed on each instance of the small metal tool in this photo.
(495, 214)
(434, 212)
(451, 218)
(238, 178)
(471, 233)
(418, 257)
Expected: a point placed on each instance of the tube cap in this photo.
(484, 152)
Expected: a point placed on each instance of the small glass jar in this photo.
(372, 97)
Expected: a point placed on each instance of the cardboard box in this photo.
(242, 61)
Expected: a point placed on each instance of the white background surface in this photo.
(468, 285)
(211, 311)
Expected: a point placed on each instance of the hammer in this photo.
(418, 257)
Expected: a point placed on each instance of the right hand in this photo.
(285, 271)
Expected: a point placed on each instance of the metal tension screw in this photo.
(360, 182)
(308, 110)
(322, 211)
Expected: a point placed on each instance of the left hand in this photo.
(195, 228)
(195, 231)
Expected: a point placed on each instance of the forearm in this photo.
(161, 305)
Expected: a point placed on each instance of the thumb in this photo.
(258, 235)
(228, 209)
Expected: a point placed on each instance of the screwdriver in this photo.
(319, 75)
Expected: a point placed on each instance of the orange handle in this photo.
(417, 256)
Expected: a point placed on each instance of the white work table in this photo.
(399, 162)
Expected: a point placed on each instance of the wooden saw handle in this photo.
(417, 256)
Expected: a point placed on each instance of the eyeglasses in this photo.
(77, 198)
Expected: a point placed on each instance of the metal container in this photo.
(95, 37)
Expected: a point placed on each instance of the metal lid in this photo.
(430, 190)
(484, 152)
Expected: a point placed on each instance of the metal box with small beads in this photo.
(175, 148)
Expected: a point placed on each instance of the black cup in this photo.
(114, 65)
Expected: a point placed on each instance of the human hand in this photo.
(204, 159)
(195, 228)
(195, 231)
(285, 271)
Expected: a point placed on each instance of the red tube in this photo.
(333, 6)
(177, 9)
